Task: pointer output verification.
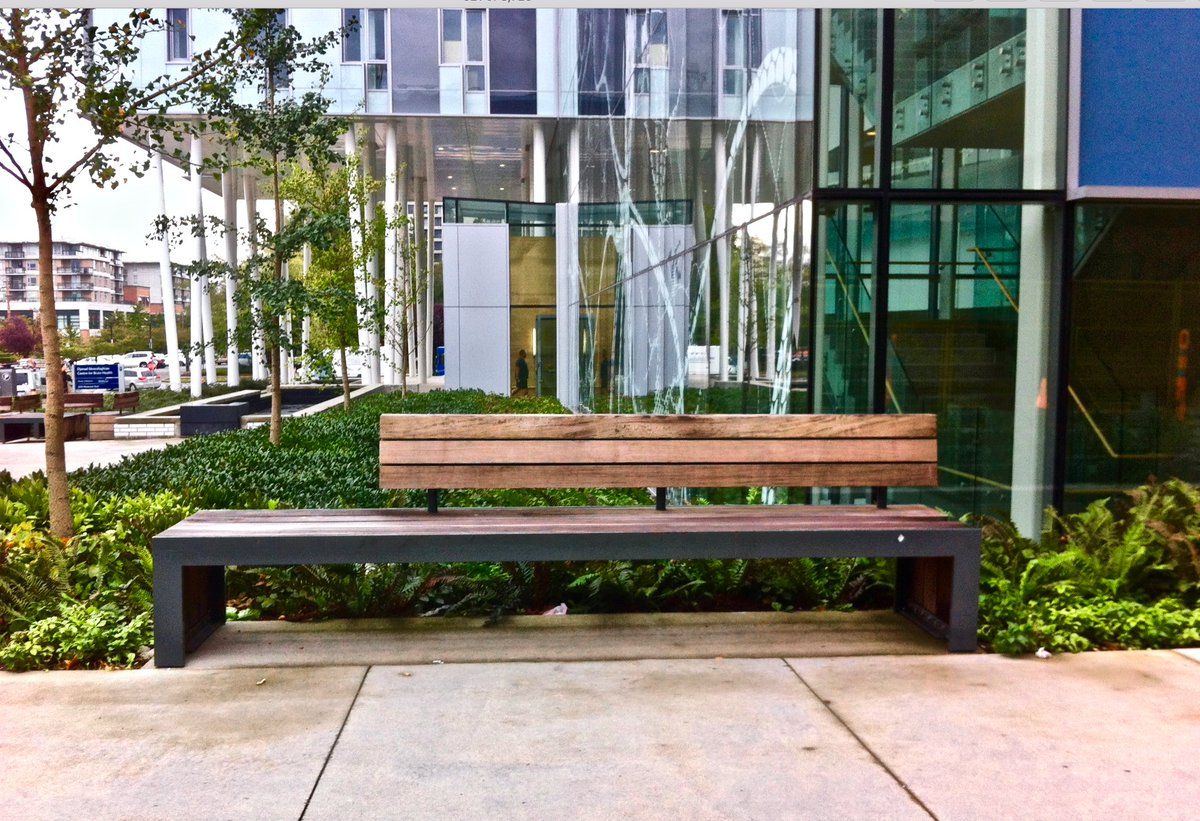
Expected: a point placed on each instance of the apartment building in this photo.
(89, 283)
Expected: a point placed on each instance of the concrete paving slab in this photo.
(23, 458)
(171, 744)
(599, 740)
(1099, 735)
(1191, 652)
(562, 638)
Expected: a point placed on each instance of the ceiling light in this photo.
(502, 165)
(449, 176)
(502, 188)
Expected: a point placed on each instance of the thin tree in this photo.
(323, 197)
(272, 133)
(61, 64)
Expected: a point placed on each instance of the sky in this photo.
(119, 218)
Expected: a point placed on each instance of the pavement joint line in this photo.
(862, 742)
(336, 739)
(1188, 656)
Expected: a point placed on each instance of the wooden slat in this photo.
(667, 452)
(916, 474)
(280, 524)
(634, 426)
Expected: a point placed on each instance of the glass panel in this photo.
(377, 76)
(735, 39)
(178, 43)
(849, 99)
(452, 51)
(378, 33)
(733, 81)
(475, 78)
(953, 293)
(959, 102)
(1134, 406)
(351, 35)
(845, 295)
(532, 268)
(475, 36)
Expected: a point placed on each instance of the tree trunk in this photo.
(276, 396)
(61, 523)
(345, 375)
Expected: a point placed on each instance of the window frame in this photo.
(172, 31)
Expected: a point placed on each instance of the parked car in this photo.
(140, 379)
(137, 359)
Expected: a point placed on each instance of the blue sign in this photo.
(97, 377)
(1139, 101)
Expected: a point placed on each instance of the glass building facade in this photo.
(931, 210)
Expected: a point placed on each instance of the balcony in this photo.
(930, 117)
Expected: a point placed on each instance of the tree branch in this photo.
(13, 168)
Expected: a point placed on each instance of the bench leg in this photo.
(189, 604)
(964, 601)
(168, 613)
(941, 594)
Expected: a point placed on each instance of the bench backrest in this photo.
(124, 401)
(83, 400)
(621, 450)
(17, 404)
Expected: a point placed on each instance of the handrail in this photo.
(1112, 453)
(983, 480)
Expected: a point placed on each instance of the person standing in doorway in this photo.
(522, 375)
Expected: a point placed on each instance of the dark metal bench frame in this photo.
(937, 571)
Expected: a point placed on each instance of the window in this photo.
(281, 77)
(179, 43)
(463, 43)
(352, 24)
(649, 46)
(741, 49)
(364, 40)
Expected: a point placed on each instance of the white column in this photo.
(431, 252)
(720, 223)
(167, 281)
(356, 225)
(229, 197)
(391, 276)
(573, 171)
(196, 308)
(1035, 324)
(258, 346)
(537, 162)
(419, 329)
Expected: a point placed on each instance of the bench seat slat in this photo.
(281, 526)
(629, 426)
(825, 474)
(640, 451)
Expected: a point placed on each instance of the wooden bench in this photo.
(87, 401)
(20, 404)
(125, 401)
(937, 575)
(17, 426)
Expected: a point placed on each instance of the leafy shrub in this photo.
(81, 634)
(1122, 573)
(85, 602)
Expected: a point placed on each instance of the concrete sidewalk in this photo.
(22, 458)
(1101, 735)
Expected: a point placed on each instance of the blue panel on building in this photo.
(1140, 99)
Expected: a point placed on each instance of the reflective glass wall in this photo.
(1134, 411)
(935, 253)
